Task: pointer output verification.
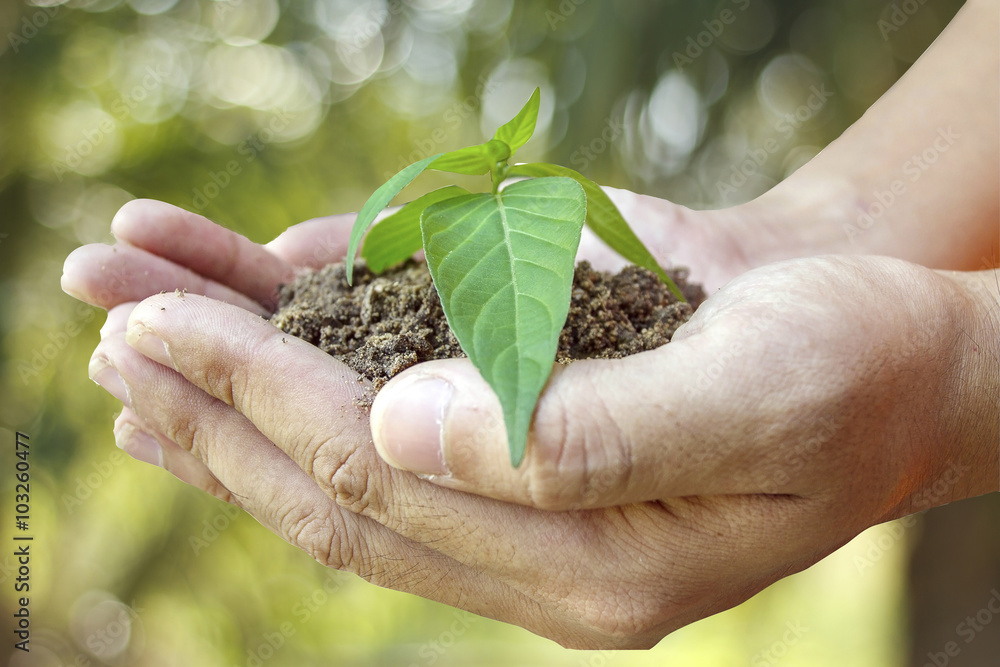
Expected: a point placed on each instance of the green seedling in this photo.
(501, 261)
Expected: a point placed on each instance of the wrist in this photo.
(972, 412)
(983, 364)
(803, 216)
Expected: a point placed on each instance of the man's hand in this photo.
(850, 381)
(769, 433)
(164, 248)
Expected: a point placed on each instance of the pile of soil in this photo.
(389, 322)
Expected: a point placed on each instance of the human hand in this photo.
(804, 402)
(160, 248)
(638, 554)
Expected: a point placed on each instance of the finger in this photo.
(107, 276)
(314, 243)
(604, 433)
(142, 442)
(209, 250)
(307, 403)
(570, 562)
(271, 487)
(117, 320)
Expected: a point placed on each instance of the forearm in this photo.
(917, 176)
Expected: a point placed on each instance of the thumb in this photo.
(604, 433)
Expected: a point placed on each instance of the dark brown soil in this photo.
(389, 322)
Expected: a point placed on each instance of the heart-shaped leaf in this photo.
(503, 267)
(378, 201)
(517, 131)
(605, 219)
(395, 238)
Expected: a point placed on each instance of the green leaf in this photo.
(378, 201)
(517, 132)
(605, 220)
(474, 160)
(395, 238)
(503, 266)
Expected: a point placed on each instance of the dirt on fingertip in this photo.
(389, 322)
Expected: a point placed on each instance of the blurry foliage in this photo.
(261, 114)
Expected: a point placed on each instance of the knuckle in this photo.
(555, 478)
(626, 624)
(580, 455)
(185, 429)
(356, 485)
(321, 455)
(225, 381)
(316, 534)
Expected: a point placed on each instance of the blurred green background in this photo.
(315, 102)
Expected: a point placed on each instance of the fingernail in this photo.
(112, 382)
(140, 445)
(409, 428)
(142, 340)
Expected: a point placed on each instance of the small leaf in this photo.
(604, 218)
(517, 132)
(378, 201)
(395, 238)
(503, 266)
(474, 160)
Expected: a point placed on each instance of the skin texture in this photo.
(807, 400)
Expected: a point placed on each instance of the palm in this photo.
(703, 241)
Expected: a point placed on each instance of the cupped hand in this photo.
(688, 478)
(161, 248)
(803, 403)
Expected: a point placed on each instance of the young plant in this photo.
(502, 262)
